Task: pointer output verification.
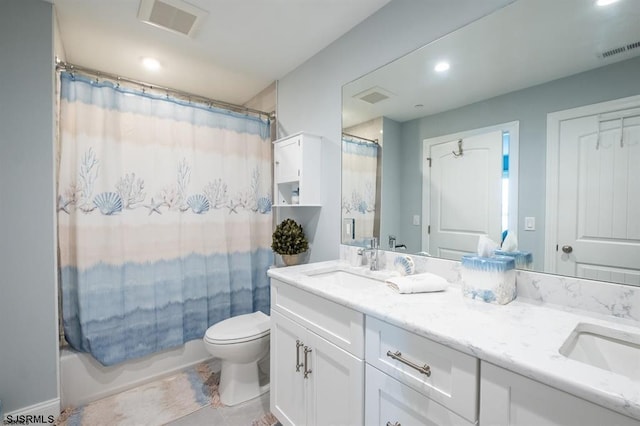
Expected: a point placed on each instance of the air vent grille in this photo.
(373, 95)
(621, 49)
(173, 15)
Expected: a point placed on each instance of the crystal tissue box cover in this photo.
(490, 279)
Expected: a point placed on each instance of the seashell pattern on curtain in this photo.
(164, 218)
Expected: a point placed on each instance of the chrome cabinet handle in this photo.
(393, 424)
(425, 369)
(299, 344)
(307, 371)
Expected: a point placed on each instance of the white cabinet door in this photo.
(337, 382)
(313, 382)
(287, 383)
(287, 160)
(507, 398)
(390, 403)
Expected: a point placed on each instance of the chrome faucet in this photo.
(373, 253)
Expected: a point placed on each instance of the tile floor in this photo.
(239, 415)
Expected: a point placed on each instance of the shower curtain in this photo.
(359, 186)
(164, 218)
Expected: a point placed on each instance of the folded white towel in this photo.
(418, 283)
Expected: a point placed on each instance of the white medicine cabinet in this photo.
(297, 170)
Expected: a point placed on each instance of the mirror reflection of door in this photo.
(465, 193)
(598, 214)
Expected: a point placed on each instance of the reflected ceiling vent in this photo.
(374, 95)
(620, 49)
(174, 15)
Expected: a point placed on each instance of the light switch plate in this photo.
(348, 229)
(529, 223)
(416, 219)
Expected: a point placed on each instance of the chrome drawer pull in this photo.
(425, 369)
(307, 371)
(393, 424)
(299, 344)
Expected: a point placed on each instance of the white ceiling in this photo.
(240, 49)
(526, 43)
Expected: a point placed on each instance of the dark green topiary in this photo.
(289, 238)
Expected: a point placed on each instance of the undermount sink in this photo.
(346, 279)
(606, 348)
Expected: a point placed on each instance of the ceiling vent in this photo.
(373, 95)
(174, 15)
(620, 49)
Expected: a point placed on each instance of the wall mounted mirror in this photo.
(525, 122)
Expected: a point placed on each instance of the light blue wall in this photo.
(390, 204)
(309, 98)
(530, 107)
(28, 322)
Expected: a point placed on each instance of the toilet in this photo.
(240, 342)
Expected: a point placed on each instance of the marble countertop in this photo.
(522, 336)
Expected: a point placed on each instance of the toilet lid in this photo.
(239, 328)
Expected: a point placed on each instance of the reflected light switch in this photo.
(529, 223)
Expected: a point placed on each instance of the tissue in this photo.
(510, 243)
(486, 246)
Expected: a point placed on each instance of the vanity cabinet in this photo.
(507, 398)
(317, 370)
(297, 170)
(413, 380)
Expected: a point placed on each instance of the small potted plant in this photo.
(290, 242)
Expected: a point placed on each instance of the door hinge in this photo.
(429, 160)
(298, 172)
(428, 229)
(556, 247)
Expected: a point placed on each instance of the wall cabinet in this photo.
(314, 381)
(506, 398)
(297, 170)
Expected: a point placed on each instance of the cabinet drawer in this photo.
(339, 325)
(453, 376)
(389, 402)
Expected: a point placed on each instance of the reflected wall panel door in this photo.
(465, 194)
(599, 197)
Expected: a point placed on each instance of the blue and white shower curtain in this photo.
(359, 185)
(164, 218)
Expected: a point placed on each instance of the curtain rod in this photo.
(360, 137)
(66, 66)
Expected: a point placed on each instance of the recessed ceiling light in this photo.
(441, 66)
(605, 2)
(418, 106)
(151, 64)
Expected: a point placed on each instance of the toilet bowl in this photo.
(240, 342)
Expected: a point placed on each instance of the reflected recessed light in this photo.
(151, 64)
(605, 2)
(418, 106)
(442, 66)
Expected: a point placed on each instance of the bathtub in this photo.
(83, 379)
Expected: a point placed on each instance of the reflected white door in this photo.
(465, 194)
(598, 217)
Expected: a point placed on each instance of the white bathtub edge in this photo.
(83, 379)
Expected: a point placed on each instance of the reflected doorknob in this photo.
(567, 249)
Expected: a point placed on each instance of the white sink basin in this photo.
(606, 348)
(346, 279)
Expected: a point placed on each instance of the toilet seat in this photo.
(238, 329)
